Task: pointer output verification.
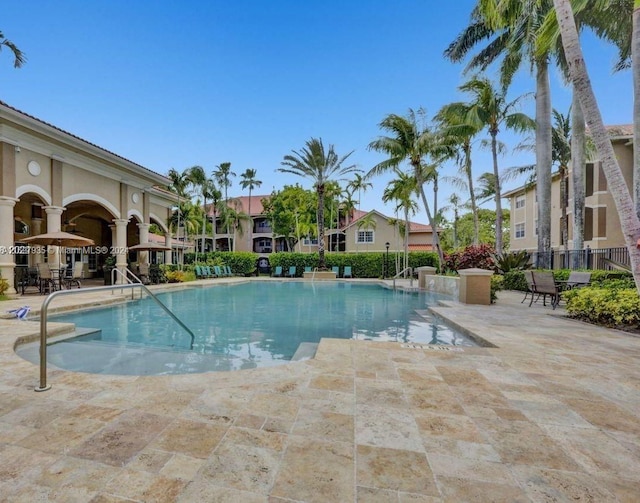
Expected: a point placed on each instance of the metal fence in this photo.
(583, 259)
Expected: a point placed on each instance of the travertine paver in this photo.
(550, 414)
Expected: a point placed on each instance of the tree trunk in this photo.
(321, 264)
(543, 162)
(250, 244)
(577, 168)
(432, 223)
(635, 52)
(472, 195)
(435, 206)
(625, 207)
(564, 221)
(406, 241)
(498, 197)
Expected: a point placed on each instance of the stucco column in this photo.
(54, 224)
(120, 247)
(167, 253)
(7, 261)
(36, 228)
(143, 232)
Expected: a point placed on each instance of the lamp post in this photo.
(386, 261)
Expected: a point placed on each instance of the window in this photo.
(588, 223)
(588, 178)
(309, 241)
(519, 230)
(535, 227)
(520, 200)
(601, 212)
(364, 237)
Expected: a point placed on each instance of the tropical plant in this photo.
(320, 166)
(629, 221)
(514, 261)
(366, 222)
(401, 190)
(359, 184)
(480, 256)
(249, 181)
(204, 186)
(412, 141)
(285, 208)
(18, 56)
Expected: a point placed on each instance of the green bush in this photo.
(241, 263)
(497, 284)
(611, 307)
(363, 265)
(514, 280)
(4, 285)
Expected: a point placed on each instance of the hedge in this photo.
(611, 307)
(241, 263)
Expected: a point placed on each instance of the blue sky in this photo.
(171, 84)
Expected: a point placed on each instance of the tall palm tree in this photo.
(459, 132)
(179, 186)
(489, 108)
(197, 177)
(414, 143)
(359, 184)
(320, 166)
(512, 26)
(249, 181)
(222, 175)
(561, 156)
(19, 58)
(629, 221)
(366, 222)
(401, 190)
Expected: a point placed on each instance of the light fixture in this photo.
(17, 149)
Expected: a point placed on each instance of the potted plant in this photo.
(109, 265)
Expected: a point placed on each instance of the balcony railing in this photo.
(583, 259)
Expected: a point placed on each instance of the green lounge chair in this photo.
(277, 272)
(198, 271)
(292, 272)
(217, 271)
(227, 270)
(307, 268)
(347, 272)
(336, 270)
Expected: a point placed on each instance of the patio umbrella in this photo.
(59, 239)
(149, 247)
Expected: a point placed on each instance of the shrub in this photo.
(241, 263)
(514, 261)
(514, 280)
(176, 276)
(480, 256)
(4, 285)
(497, 282)
(611, 307)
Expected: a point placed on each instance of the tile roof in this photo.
(420, 247)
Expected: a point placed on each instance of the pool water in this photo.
(247, 325)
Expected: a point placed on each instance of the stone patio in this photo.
(550, 414)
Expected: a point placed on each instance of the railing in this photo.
(401, 273)
(581, 259)
(43, 320)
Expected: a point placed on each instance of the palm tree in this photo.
(222, 175)
(561, 156)
(313, 162)
(359, 184)
(489, 108)
(629, 221)
(197, 177)
(18, 56)
(459, 131)
(512, 26)
(401, 190)
(179, 186)
(250, 181)
(411, 142)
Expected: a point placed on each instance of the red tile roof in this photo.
(420, 247)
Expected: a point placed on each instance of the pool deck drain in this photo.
(550, 414)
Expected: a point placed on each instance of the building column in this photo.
(143, 232)
(120, 247)
(36, 228)
(54, 224)
(167, 253)
(7, 260)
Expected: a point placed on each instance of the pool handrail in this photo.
(406, 269)
(43, 321)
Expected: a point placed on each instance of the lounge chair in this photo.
(292, 272)
(76, 276)
(347, 272)
(217, 271)
(336, 270)
(307, 268)
(545, 284)
(198, 270)
(227, 270)
(277, 271)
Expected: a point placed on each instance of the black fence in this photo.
(601, 258)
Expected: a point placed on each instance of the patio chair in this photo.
(48, 283)
(227, 270)
(292, 272)
(531, 287)
(577, 280)
(143, 274)
(277, 271)
(208, 272)
(307, 268)
(336, 270)
(545, 284)
(217, 271)
(347, 272)
(76, 276)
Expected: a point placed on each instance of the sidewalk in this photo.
(550, 414)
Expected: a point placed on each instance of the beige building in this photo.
(601, 222)
(349, 237)
(52, 180)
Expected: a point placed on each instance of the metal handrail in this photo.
(43, 321)
(410, 269)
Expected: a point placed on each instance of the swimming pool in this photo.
(247, 325)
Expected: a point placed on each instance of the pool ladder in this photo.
(129, 285)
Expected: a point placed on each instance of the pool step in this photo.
(305, 351)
